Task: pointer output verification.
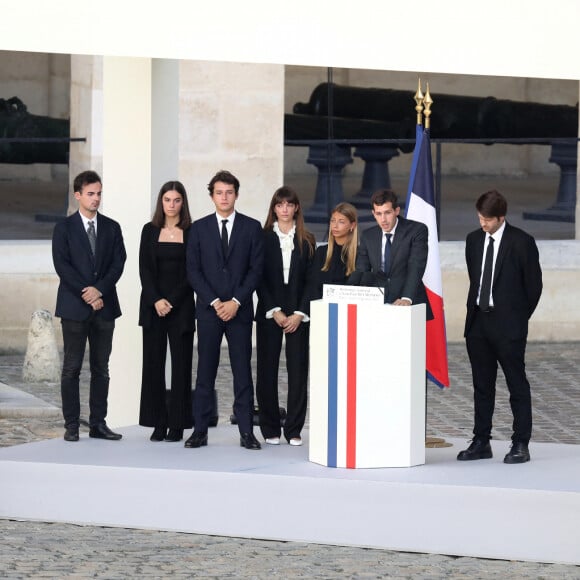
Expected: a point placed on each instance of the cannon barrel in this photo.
(453, 116)
(310, 127)
(360, 113)
(17, 123)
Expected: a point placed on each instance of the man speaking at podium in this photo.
(393, 254)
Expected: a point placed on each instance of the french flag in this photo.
(421, 208)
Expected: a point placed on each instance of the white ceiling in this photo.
(532, 38)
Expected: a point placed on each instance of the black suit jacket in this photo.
(181, 296)
(271, 291)
(517, 279)
(237, 276)
(77, 268)
(408, 262)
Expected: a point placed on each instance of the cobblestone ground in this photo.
(43, 550)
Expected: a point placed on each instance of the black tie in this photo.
(485, 290)
(92, 236)
(225, 238)
(386, 262)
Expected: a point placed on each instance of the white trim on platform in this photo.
(483, 509)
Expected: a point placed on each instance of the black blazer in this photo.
(271, 291)
(181, 297)
(237, 276)
(517, 279)
(77, 268)
(408, 261)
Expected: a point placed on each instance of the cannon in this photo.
(454, 117)
(24, 136)
(375, 113)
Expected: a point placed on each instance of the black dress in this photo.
(162, 270)
(336, 273)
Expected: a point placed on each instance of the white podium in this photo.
(367, 384)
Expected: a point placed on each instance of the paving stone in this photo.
(45, 550)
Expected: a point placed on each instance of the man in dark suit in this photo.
(224, 266)
(505, 285)
(393, 254)
(89, 257)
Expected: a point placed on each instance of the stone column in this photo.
(232, 117)
(86, 111)
(127, 171)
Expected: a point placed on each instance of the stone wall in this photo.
(556, 319)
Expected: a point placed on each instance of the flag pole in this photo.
(426, 104)
(419, 97)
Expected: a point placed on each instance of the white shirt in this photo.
(286, 247)
(496, 242)
(86, 221)
(229, 225)
(384, 240)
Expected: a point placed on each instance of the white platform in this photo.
(483, 508)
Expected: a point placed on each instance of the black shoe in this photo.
(519, 453)
(71, 434)
(249, 441)
(103, 432)
(174, 435)
(479, 449)
(158, 434)
(197, 439)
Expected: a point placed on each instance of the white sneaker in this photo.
(295, 441)
(273, 440)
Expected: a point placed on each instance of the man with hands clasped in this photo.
(89, 256)
(224, 266)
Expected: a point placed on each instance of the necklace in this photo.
(170, 231)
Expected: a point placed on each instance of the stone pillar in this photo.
(165, 127)
(231, 117)
(86, 112)
(127, 171)
(376, 173)
(330, 160)
(41, 362)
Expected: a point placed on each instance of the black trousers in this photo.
(269, 346)
(155, 411)
(487, 347)
(209, 338)
(75, 334)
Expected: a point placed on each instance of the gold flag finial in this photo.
(428, 101)
(419, 100)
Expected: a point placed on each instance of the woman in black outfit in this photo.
(283, 308)
(335, 262)
(166, 312)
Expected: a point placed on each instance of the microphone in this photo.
(355, 278)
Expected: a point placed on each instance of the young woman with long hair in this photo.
(283, 309)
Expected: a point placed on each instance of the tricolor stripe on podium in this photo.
(342, 385)
(362, 414)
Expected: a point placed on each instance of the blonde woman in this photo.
(335, 262)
